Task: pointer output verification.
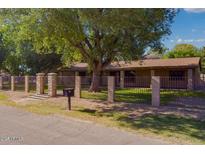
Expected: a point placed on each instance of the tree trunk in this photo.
(94, 87)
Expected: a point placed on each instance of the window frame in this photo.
(177, 75)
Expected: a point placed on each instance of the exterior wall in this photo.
(166, 82)
(142, 72)
(142, 77)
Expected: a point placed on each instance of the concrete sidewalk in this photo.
(20, 127)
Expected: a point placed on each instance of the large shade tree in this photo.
(3, 51)
(187, 50)
(18, 55)
(96, 36)
(26, 61)
(183, 50)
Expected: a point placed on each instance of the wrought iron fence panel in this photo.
(87, 80)
(6, 82)
(19, 82)
(137, 81)
(167, 82)
(134, 95)
(32, 83)
(65, 82)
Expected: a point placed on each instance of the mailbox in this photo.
(69, 92)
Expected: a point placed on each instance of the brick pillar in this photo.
(111, 89)
(26, 83)
(190, 79)
(1, 82)
(12, 83)
(40, 83)
(155, 90)
(78, 86)
(152, 74)
(122, 79)
(76, 73)
(52, 82)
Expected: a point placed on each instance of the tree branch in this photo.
(88, 43)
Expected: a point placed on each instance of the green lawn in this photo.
(141, 95)
(176, 129)
(121, 95)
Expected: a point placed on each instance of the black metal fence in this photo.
(6, 82)
(136, 89)
(137, 82)
(65, 82)
(167, 82)
(87, 80)
(19, 83)
(32, 83)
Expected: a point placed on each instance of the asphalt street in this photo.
(21, 127)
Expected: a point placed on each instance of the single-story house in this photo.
(175, 72)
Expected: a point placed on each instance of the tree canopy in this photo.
(187, 50)
(18, 54)
(95, 36)
(184, 50)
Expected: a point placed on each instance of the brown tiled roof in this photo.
(147, 63)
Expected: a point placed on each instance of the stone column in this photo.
(76, 73)
(52, 82)
(122, 79)
(26, 83)
(12, 83)
(1, 82)
(155, 90)
(77, 86)
(111, 89)
(40, 83)
(152, 74)
(190, 79)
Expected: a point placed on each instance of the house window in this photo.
(82, 73)
(130, 73)
(176, 75)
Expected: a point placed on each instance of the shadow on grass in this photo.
(164, 125)
(171, 95)
(168, 125)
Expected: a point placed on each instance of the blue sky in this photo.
(188, 27)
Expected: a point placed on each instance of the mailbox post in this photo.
(69, 92)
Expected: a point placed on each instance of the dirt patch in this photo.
(16, 96)
(188, 106)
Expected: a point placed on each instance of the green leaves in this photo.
(184, 50)
(96, 36)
